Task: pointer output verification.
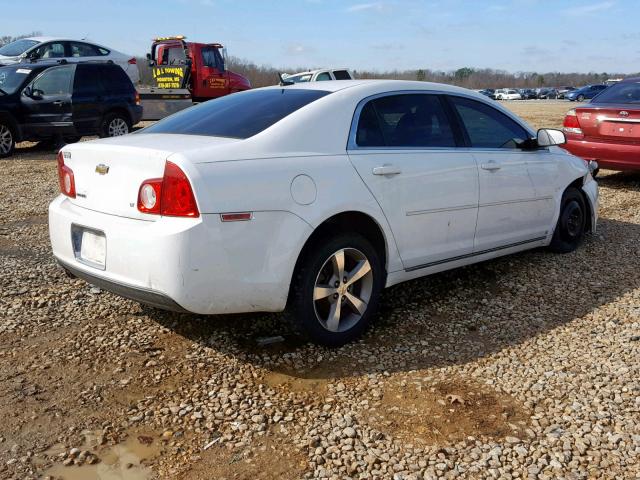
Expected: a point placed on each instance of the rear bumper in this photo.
(138, 294)
(199, 265)
(614, 156)
(136, 114)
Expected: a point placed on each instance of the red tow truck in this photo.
(184, 73)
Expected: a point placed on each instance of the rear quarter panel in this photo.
(261, 185)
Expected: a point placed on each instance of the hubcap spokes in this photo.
(118, 127)
(6, 139)
(574, 219)
(343, 290)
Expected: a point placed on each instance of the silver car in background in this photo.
(60, 50)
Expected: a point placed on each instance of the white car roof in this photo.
(64, 39)
(313, 72)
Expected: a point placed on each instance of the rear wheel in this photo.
(336, 289)
(7, 140)
(572, 222)
(114, 125)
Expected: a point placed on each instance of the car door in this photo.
(87, 99)
(46, 102)
(404, 148)
(511, 211)
(213, 80)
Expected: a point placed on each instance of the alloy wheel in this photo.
(6, 140)
(343, 289)
(118, 127)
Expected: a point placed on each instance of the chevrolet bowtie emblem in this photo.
(102, 169)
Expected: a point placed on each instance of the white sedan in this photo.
(315, 197)
(507, 94)
(60, 50)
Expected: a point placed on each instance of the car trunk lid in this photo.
(108, 173)
(617, 123)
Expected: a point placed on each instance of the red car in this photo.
(608, 129)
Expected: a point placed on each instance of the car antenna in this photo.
(283, 82)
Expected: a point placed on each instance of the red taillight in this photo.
(65, 177)
(137, 98)
(571, 123)
(132, 61)
(170, 195)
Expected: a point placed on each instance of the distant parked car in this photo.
(319, 75)
(507, 94)
(563, 91)
(528, 94)
(488, 92)
(58, 50)
(585, 93)
(608, 128)
(64, 102)
(547, 93)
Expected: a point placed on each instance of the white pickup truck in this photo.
(319, 75)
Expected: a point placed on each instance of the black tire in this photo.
(580, 98)
(109, 122)
(306, 313)
(572, 222)
(7, 140)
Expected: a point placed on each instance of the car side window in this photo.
(54, 81)
(408, 120)
(50, 50)
(341, 75)
(87, 82)
(486, 126)
(83, 50)
(323, 76)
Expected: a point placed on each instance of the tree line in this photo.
(468, 77)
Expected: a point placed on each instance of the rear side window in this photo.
(627, 92)
(114, 79)
(486, 126)
(241, 115)
(341, 75)
(83, 50)
(87, 82)
(411, 120)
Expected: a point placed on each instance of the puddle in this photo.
(125, 461)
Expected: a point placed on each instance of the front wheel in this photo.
(114, 125)
(7, 140)
(571, 224)
(336, 289)
(580, 98)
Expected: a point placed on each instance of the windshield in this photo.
(241, 115)
(11, 79)
(306, 77)
(627, 92)
(18, 47)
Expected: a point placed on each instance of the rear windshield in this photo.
(626, 92)
(240, 115)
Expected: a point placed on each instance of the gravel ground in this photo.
(523, 367)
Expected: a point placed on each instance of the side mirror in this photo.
(27, 92)
(548, 137)
(33, 55)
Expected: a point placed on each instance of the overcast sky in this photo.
(514, 35)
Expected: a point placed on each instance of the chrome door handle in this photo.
(491, 166)
(386, 170)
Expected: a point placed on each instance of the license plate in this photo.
(93, 248)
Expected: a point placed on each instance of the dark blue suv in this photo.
(64, 102)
